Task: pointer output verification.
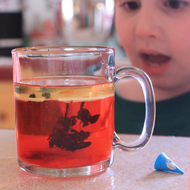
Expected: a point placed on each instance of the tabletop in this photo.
(130, 170)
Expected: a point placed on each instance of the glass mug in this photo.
(64, 109)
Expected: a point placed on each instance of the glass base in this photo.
(67, 172)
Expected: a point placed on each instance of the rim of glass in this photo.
(62, 49)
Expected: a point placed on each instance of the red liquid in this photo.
(35, 121)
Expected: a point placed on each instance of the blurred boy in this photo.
(155, 36)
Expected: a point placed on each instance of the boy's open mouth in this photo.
(155, 60)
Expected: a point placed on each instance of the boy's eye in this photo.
(131, 5)
(175, 4)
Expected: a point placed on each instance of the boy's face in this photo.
(156, 37)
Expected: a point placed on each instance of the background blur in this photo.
(56, 22)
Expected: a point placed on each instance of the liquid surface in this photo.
(64, 89)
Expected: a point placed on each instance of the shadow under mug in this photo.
(64, 109)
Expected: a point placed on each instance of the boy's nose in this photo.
(147, 25)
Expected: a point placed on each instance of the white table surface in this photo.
(131, 170)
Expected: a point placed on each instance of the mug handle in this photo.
(150, 106)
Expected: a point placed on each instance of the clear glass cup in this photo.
(64, 109)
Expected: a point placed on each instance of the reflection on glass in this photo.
(67, 10)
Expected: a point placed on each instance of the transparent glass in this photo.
(64, 109)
